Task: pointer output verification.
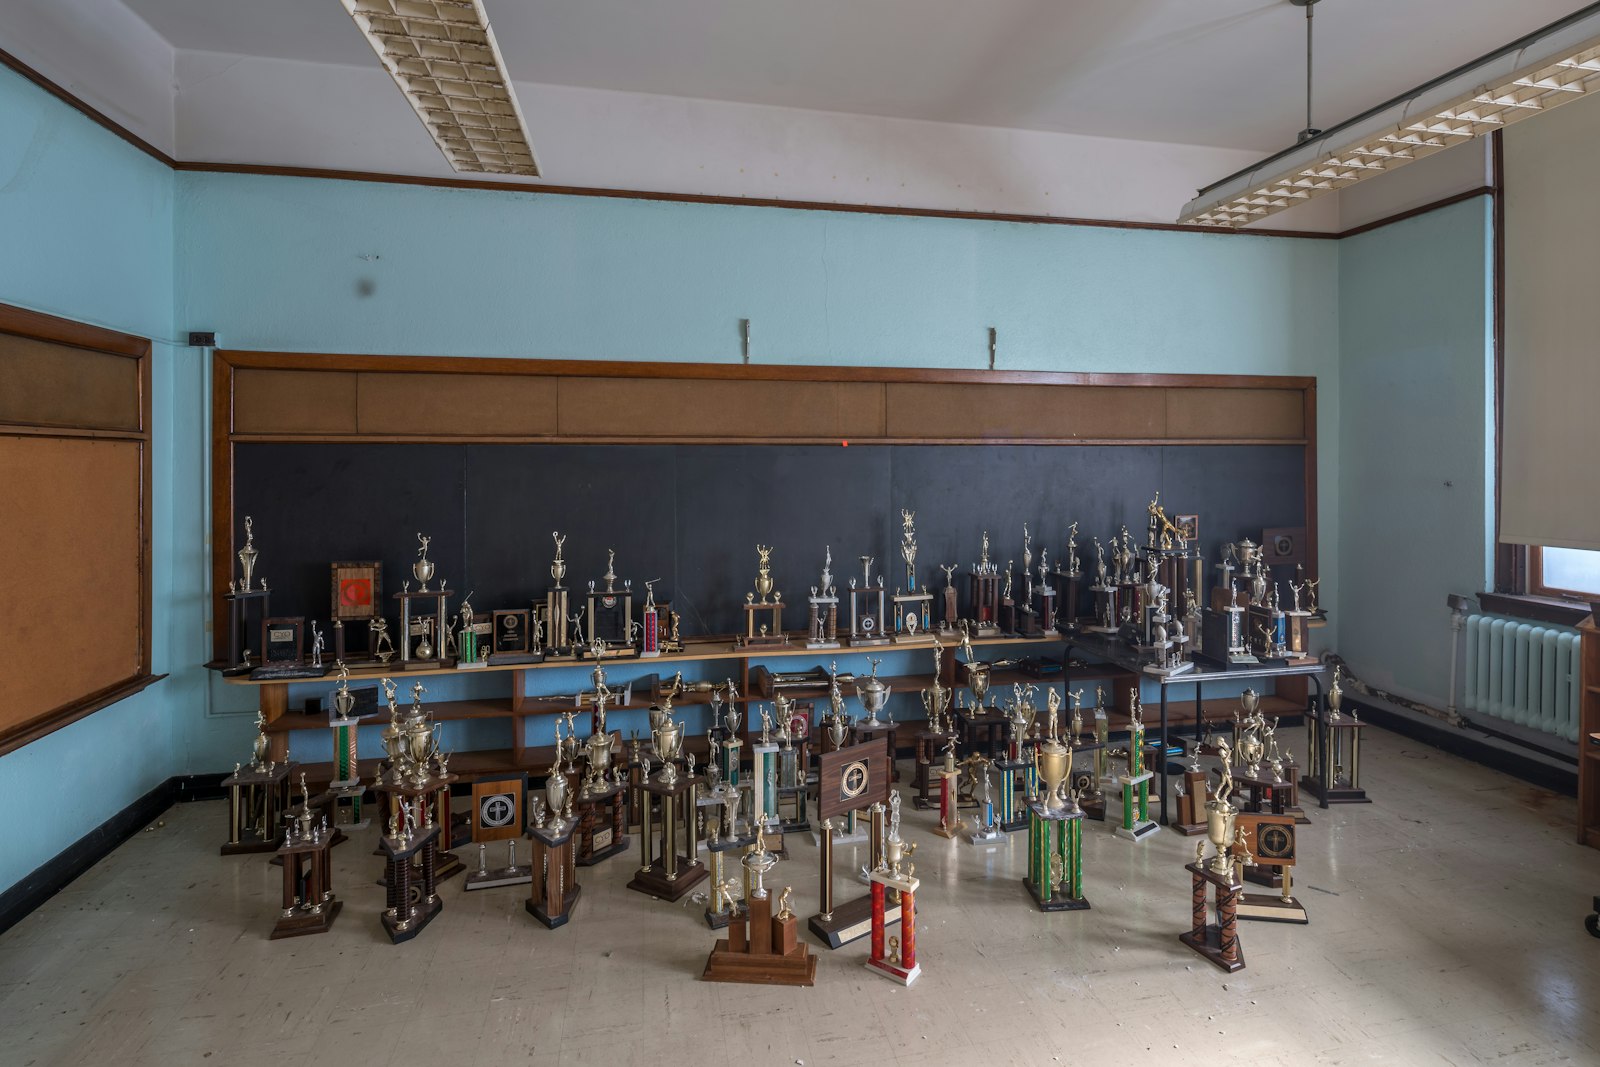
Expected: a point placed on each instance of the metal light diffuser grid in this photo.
(443, 56)
(1547, 84)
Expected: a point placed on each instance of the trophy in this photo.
(769, 608)
(244, 600)
(822, 625)
(557, 604)
(867, 608)
(424, 630)
(422, 569)
(1136, 822)
(873, 694)
(667, 736)
(555, 791)
(608, 619)
(1218, 942)
(913, 606)
(984, 583)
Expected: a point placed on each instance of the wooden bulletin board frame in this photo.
(295, 397)
(81, 421)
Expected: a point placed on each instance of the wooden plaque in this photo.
(853, 777)
(357, 589)
(497, 807)
(1270, 838)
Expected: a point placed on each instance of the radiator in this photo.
(1524, 673)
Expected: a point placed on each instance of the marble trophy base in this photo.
(858, 836)
(987, 835)
(1169, 672)
(1139, 830)
(823, 644)
(849, 922)
(898, 974)
(920, 639)
(494, 878)
(1055, 903)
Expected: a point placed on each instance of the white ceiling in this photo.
(1225, 73)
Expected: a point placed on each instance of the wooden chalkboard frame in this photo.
(334, 398)
(33, 325)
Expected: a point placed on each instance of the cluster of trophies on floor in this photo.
(1133, 595)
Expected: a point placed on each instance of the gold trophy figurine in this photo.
(764, 581)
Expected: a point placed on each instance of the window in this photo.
(1564, 572)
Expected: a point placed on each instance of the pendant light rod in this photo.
(1586, 12)
(1311, 9)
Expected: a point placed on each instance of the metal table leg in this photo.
(1166, 808)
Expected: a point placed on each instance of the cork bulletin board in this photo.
(74, 543)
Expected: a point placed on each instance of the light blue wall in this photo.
(1417, 467)
(328, 266)
(86, 233)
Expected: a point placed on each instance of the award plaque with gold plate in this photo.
(849, 779)
(1270, 840)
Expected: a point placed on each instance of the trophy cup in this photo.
(873, 694)
(667, 736)
(769, 607)
(422, 569)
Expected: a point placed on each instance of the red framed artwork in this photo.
(357, 590)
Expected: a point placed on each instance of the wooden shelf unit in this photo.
(517, 708)
(1588, 742)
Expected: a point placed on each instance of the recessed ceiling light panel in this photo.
(443, 56)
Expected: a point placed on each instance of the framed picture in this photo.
(357, 590)
(283, 641)
(1283, 547)
(1188, 526)
(511, 631)
(497, 807)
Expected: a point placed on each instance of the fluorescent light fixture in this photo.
(443, 56)
(1546, 69)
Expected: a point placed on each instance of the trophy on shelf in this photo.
(1026, 615)
(868, 610)
(1068, 577)
(243, 601)
(608, 619)
(650, 623)
(822, 625)
(984, 590)
(419, 633)
(913, 605)
(763, 619)
(949, 609)
(1103, 589)
(555, 613)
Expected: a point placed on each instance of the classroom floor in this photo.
(1446, 927)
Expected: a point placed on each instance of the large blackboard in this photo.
(691, 515)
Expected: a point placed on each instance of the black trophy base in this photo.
(850, 921)
(1206, 944)
(655, 882)
(283, 671)
(1266, 908)
(307, 923)
(499, 659)
(399, 931)
(1337, 794)
(718, 920)
(1019, 823)
(247, 844)
(603, 854)
(1271, 877)
(553, 921)
(1055, 903)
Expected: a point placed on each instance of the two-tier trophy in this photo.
(913, 605)
(868, 609)
(822, 625)
(763, 619)
(608, 619)
(1055, 826)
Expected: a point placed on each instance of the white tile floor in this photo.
(1446, 927)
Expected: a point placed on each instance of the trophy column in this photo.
(1055, 858)
(1218, 943)
(669, 873)
(949, 820)
(554, 890)
(308, 903)
(894, 957)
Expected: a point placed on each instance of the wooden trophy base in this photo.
(1055, 903)
(1267, 908)
(424, 914)
(553, 921)
(761, 950)
(247, 844)
(1189, 829)
(654, 881)
(1207, 946)
(1260, 874)
(305, 922)
(849, 922)
(606, 853)
(950, 832)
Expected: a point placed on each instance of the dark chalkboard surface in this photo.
(691, 515)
